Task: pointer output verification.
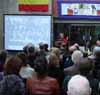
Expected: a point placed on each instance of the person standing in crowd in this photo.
(96, 54)
(86, 69)
(98, 42)
(54, 69)
(31, 56)
(42, 84)
(46, 48)
(78, 85)
(61, 41)
(87, 39)
(56, 51)
(70, 71)
(42, 49)
(67, 60)
(3, 56)
(76, 58)
(12, 83)
(25, 71)
(26, 47)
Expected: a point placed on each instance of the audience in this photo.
(38, 71)
(78, 85)
(12, 83)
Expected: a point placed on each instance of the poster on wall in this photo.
(79, 9)
(33, 5)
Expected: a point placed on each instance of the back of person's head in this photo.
(25, 48)
(77, 46)
(3, 55)
(40, 53)
(12, 66)
(41, 46)
(72, 49)
(61, 35)
(46, 47)
(31, 49)
(23, 58)
(78, 85)
(77, 55)
(86, 65)
(98, 42)
(41, 66)
(55, 51)
(96, 51)
(53, 60)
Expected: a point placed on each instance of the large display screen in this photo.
(19, 30)
(79, 9)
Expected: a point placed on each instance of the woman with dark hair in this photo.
(12, 83)
(42, 84)
(3, 56)
(31, 55)
(25, 71)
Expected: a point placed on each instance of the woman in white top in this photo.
(25, 71)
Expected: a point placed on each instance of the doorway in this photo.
(80, 33)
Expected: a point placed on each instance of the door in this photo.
(83, 34)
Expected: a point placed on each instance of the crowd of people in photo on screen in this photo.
(54, 71)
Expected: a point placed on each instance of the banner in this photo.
(33, 5)
(76, 9)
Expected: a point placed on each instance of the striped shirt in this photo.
(46, 86)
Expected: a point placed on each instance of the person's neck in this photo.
(41, 76)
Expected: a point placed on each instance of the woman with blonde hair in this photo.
(54, 69)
